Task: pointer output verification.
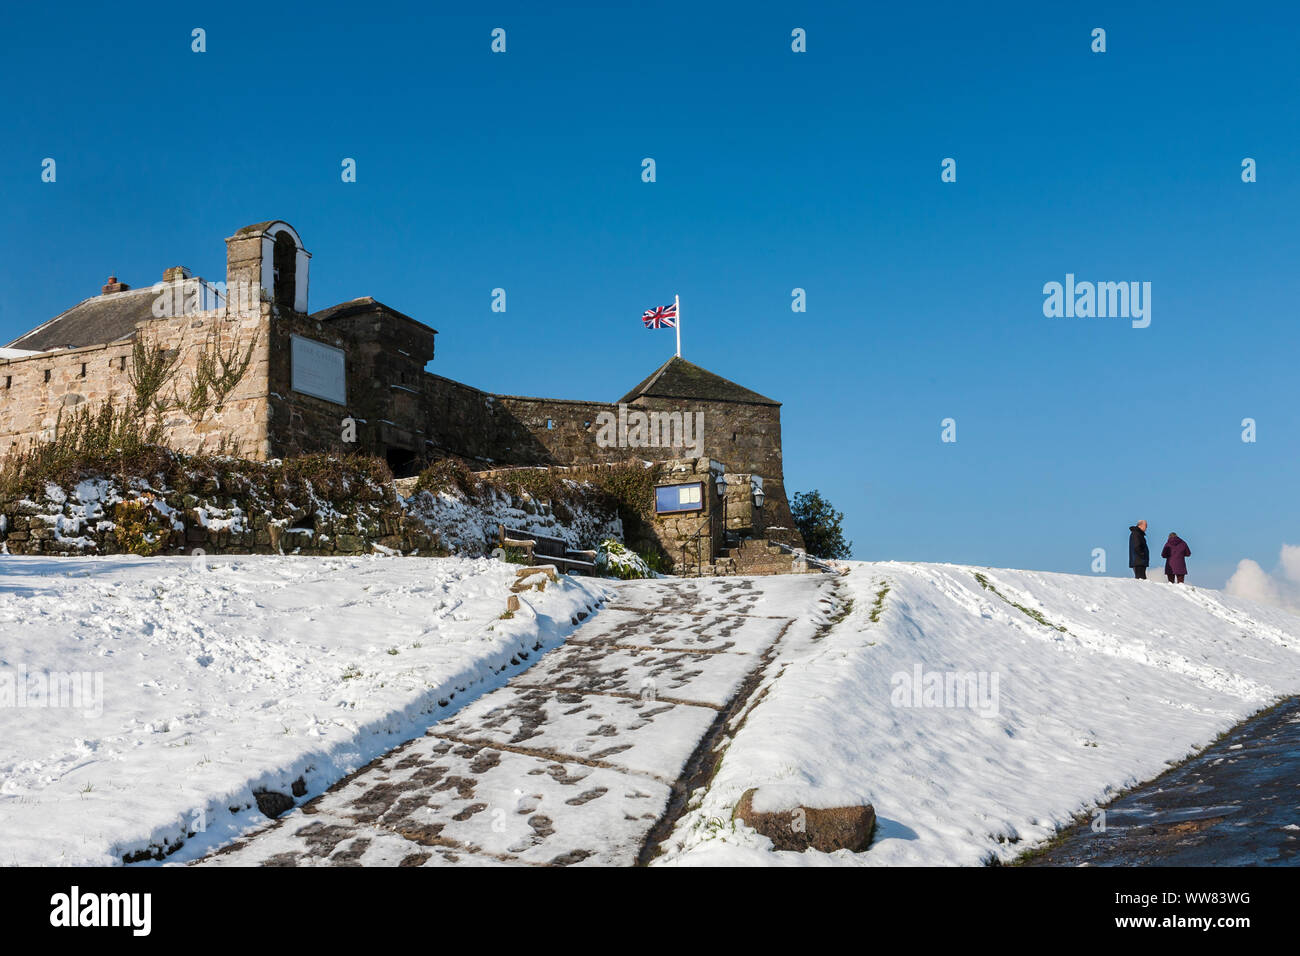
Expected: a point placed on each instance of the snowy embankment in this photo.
(1090, 686)
(471, 526)
(199, 684)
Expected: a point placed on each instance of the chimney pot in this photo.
(114, 286)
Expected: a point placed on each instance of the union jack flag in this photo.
(660, 317)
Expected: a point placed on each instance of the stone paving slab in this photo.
(687, 632)
(700, 678)
(653, 737)
(769, 596)
(508, 806)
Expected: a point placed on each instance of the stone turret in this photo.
(268, 258)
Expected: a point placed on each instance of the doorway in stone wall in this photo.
(402, 462)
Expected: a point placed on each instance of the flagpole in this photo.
(677, 307)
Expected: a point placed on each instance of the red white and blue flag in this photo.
(660, 317)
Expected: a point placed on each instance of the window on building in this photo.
(47, 375)
(550, 424)
(83, 370)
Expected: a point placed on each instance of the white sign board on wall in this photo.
(318, 370)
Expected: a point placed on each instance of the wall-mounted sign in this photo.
(674, 498)
(318, 370)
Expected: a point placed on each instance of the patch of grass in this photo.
(879, 605)
(1027, 611)
(717, 763)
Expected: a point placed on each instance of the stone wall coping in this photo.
(552, 401)
(60, 353)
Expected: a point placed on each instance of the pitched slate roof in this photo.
(94, 321)
(678, 378)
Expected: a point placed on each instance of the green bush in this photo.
(513, 555)
(140, 528)
(656, 560)
(616, 560)
(538, 483)
(448, 474)
(631, 488)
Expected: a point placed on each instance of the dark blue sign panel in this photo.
(674, 498)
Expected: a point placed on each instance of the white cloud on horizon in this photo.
(1280, 588)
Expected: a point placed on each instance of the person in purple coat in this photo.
(1175, 552)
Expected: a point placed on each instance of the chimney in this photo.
(176, 274)
(114, 286)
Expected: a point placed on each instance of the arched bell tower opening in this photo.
(284, 264)
(267, 262)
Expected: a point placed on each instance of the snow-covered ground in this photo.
(1120, 678)
(198, 684)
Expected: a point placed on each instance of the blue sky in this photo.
(775, 170)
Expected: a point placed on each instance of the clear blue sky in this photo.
(776, 170)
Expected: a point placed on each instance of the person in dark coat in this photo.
(1175, 552)
(1138, 554)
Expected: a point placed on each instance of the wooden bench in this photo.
(547, 550)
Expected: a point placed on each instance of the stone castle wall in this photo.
(512, 430)
(35, 390)
(396, 409)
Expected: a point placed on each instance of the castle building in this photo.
(352, 378)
